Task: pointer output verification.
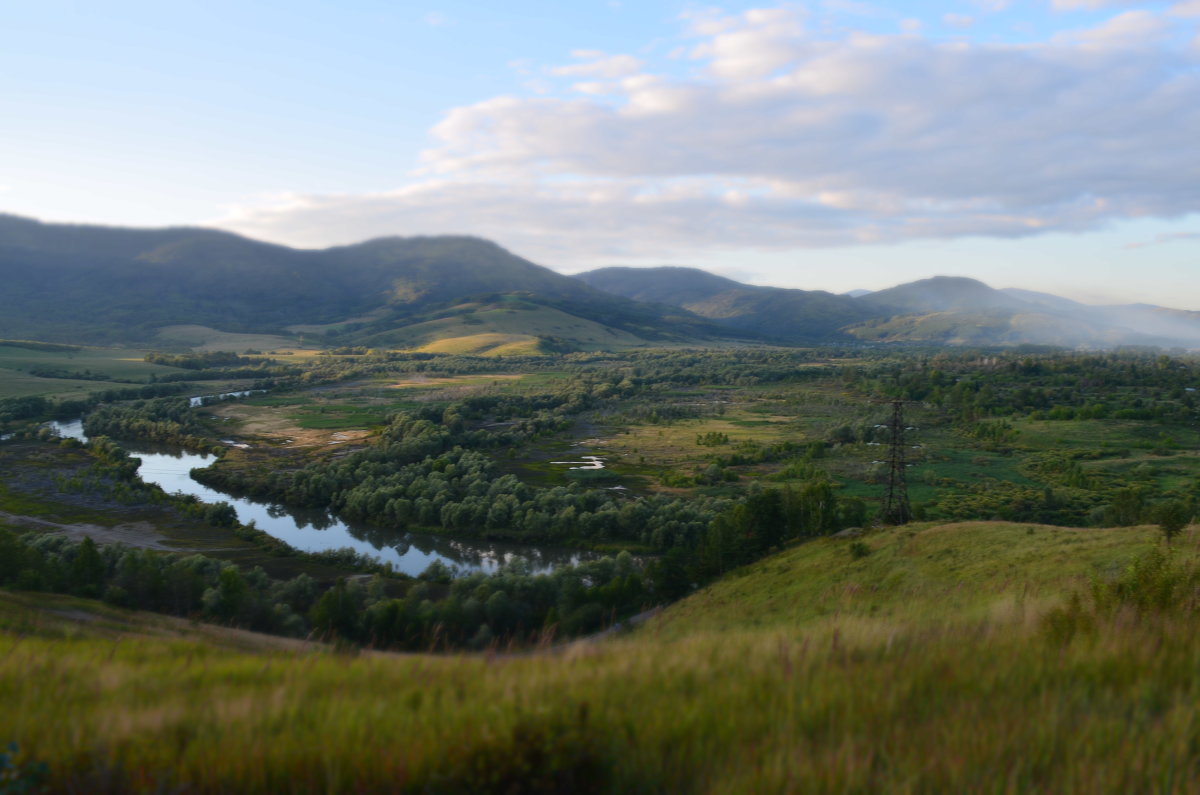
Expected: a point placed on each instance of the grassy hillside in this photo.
(923, 665)
(518, 326)
(986, 327)
(771, 312)
(129, 284)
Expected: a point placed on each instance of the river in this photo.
(317, 531)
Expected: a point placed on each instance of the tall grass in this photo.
(973, 697)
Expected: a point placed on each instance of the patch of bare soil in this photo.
(455, 388)
(266, 422)
(131, 534)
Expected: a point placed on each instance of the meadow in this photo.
(26, 371)
(928, 664)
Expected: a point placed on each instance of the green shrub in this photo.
(859, 549)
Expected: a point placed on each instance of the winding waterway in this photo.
(317, 531)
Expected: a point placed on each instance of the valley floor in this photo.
(928, 658)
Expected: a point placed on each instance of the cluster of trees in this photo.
(768, 518)
(191, 585)
(969, 386)
(436, 613)
(423, 473)
(1065, 494)
(206, 360)
(164, 420)
(478, 610)
(36, 407)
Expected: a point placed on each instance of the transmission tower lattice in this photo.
(896, 508)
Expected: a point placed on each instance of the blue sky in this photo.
(831, 145)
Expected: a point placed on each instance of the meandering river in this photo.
(316, 531)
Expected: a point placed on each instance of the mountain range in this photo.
(96, 284)
(945, 310)
(102, 284)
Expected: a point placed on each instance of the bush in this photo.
(1153, 584)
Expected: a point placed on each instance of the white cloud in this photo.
(597, 64)
(790, 138)
(958, 20)
(1131, 29)
(1171, 237)
(757, 43)
(1091, 5)
(1187, 8)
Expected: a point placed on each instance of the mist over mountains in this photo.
(945, 310)
(107, 284)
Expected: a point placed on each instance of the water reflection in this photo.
(314, 530)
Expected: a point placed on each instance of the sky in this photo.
(1046, 144)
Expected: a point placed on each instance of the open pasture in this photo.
(25, 372)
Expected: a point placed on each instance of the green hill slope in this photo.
(68, 282)
(925, 665)
(774, 312)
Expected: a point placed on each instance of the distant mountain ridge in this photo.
(80, 283)
(64, 281)
(773, 312)
(943, 310)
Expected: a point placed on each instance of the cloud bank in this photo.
(765, 131)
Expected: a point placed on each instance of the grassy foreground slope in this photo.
(924, 666)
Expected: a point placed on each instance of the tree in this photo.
(336, 614)
(1172, 516)
(87, 570)
(229, 600)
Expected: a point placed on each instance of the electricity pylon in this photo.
(896, 508)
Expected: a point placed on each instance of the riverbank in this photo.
(318, 531)
(46, 488)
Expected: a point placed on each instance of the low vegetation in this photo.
(811, 670)
(1035, 625)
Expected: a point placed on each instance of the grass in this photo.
(332, 417)
(967, 571)
(1101, 434)
(484, 328)
(487, 344)
(203, 338)
(17, 365)
(947, 685)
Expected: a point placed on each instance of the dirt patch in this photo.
(456, 386)
(267, 422)
(131, 534)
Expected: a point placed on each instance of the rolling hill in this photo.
(90, 283)
(928, 658)
(163, 287)
(773, 312)
(960, 311)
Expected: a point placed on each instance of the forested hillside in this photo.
(126, 284)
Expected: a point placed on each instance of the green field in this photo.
(926, 665)
(103, 368)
